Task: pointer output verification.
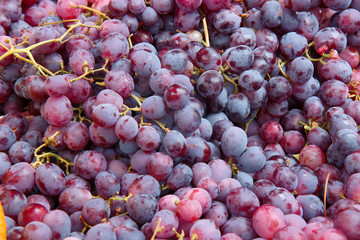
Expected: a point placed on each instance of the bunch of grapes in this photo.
(180, 119)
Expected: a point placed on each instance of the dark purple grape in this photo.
(238, 107)
(101, 230)
(148, 138)
(153, 107)
(142, 207)
(251, 160)
(145, 184)
(333, 92)
(37, 229)
(293, 45)
(72, 199)
(243, 36)
(120, 81)
(284, 200)
(300, 70)
(107, 49)
(312, 206)
(329, 38)
(89, 163)
(107, 184)
(12, 202)
(21, 175)
(181, 176)
(210, 84)
(242, 202)
(240, 58)
(50, 179)
(226, 21)
(271, 14)
(94, 211)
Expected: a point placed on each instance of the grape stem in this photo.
(181, 235)
(161, 125)
(90, 9)
(87, 226)
(158, 229)
(194, 237)
(17, 51)
(325, 191)
(232, 81)
(206, 33)
(314, 59)
(40, 158)
(248, 123)
(280, 65)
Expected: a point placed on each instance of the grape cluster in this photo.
(180, 119)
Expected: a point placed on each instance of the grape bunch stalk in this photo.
(180, 119)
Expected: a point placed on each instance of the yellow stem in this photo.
(325, 191)
(206, 33)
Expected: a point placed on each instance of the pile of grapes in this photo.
(180, 119)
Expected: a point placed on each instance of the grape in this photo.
(50, 179)
(175, 60)
(145, 63)
(58, 111)
(76, 136)
(271, 14)
(21, 175)
(12, 202)
(233, 141)
(153, 107)
(101, 231)
(312, 206)
(226, 21)
(94, 211)
(107, 184)
(188, 119)
(337, 5)
(241, 226)
(120, 81)
(288, 233)
(31, 212)
(205, 229)
(142, 207)
(73, 198)
(251, 160)
(108, 27)
(181, 176)
(148, 138)
(59, 223)
(81, 60)
(293, 45)
(37, 229)
(336, 69)
(238, 107)
(210, 84)
(239, 58)
(17, 122)
(267, 220)
(324, 43)
(242, 202)
(114, 39)
(102, 136)
(64, 10)
(243, 36)
(217, 213)
(284, 200)
(89, 163)
(160, 166)
(145, 184)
